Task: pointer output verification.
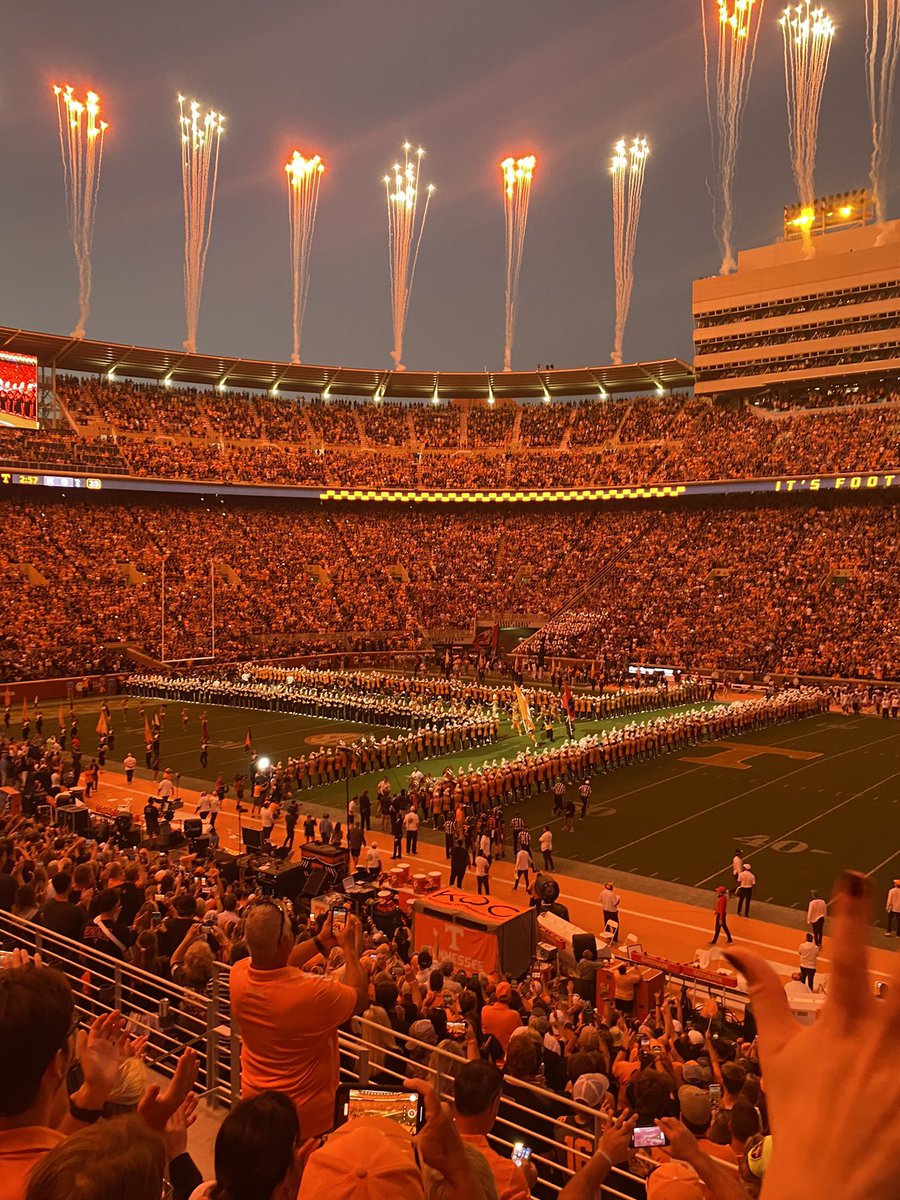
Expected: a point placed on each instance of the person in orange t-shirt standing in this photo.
(288, 1019)
(498, 1018)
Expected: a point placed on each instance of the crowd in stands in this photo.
(236, 437)
(53, 451)
(437, 427)
(490, 426)
(548, 1059)
(811, 589)
(808, 591)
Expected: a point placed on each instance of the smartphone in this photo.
(715, 1092)
(644, 1042)
(339, 919)
(644, 1137)
(520, 1153)
(456, 1029)
(406, 1108)
(156, 918)
(656, 1049)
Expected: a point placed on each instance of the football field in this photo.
(802, 801)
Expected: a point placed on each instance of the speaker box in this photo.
(199, 845)
(315, 882)
(228, 866)
(582, 942)
(123, 822)
(192, 827)
(75, 819)
(286, 881)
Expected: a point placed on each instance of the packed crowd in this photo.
(766, 589)
(238, 438)
(772, 587)
(565, 1061)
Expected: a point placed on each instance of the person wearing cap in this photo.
(476, 1094)
(373, 1158)
(721, 916)
(746, 882)
(576, 1131)
(892, 908)
(497, 1018)
(815, 916)
(288, 1018)
(696, 1114)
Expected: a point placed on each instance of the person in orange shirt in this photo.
(498, 1018)
(476, 1095)
(288, 1019)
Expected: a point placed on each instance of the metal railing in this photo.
(169, 1016)
(174, 1017)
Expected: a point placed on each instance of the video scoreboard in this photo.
(18, 390)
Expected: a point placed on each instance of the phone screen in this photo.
(645, 1136)
(456, 1028)
(520, 1153)
(338, 919)
(406, 1108)
(715, 1092)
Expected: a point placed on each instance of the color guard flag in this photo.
(525, 712)
(102, 724)
(248, 742)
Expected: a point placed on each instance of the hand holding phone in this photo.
(645, 1137)
(339, 918)
(520, 1153)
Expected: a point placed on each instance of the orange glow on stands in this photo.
(81, 134)
(303, 175)
(517, 174)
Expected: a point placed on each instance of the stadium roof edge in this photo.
(178, 366)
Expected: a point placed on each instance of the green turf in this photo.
(799, 821)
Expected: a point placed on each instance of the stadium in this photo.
(455, 782)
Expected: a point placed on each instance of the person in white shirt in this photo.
(815, 916)
(737, 865)
(482, 873)
(609, 902)
(484, 845)
(745, 881)
(523, 866)
(546, 844)
(892, 908)
(373, 858)
(809, 952)
(411, 825)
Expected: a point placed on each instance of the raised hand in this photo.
(833, 1087)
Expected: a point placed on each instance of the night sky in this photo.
(470, 80)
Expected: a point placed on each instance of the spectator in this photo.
(476, 1094)
(289, 1019)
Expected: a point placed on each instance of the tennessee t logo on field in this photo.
(736, 754)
